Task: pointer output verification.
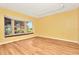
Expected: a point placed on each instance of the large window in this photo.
(29, 26)
(17, 27)
(8, 26)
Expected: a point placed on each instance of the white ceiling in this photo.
(39, 9)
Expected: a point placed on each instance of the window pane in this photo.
(8, 26)
(19, 27)
(29, 26)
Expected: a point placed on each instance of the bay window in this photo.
(17, 27)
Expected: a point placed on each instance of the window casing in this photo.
(17, 27)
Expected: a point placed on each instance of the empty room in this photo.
(39, 29)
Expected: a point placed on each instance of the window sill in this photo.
(17, 35)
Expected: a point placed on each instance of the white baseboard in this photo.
(5, 41)
(13, 39)
(60, 39)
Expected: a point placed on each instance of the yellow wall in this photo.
(60, 26)
(1, 27)
(63, 25)
(9, 13)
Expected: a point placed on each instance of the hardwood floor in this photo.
(39, 46)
